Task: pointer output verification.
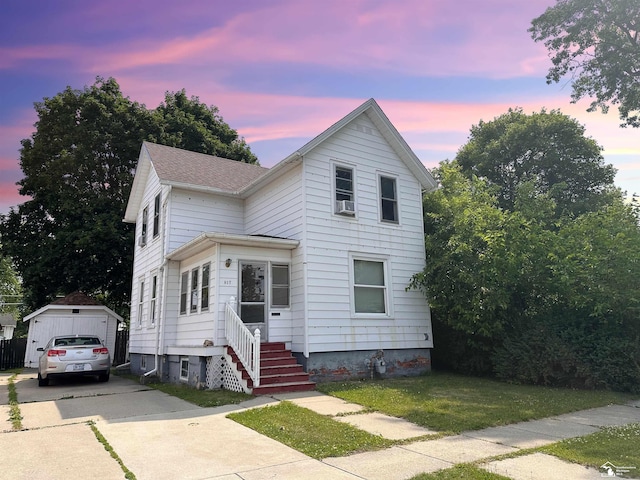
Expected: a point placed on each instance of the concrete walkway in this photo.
(161, 437)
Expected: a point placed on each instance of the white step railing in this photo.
(246, 345)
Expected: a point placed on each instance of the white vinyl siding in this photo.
(330, 238)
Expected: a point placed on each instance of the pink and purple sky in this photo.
(281, 71)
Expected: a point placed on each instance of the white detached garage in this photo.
(74, 314)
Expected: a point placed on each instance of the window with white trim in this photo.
(140, 302)
(388, 200)
(184, 369)
(204, 290)
(184, 292)
(344, 190)
(156, 216)
(370, 286)
(194, 289)
(154, 296)
(280, 285)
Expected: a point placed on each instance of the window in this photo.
(204, 291)
(154, 296)
(344, 192)
(140, 303)
(369, 289)
(156, 216)
(184, 283)
(280, 286)
(143, 362)
(184, 369)
(143, 233)
(388, 200)
(194, 289)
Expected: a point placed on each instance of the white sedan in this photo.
(69, 355)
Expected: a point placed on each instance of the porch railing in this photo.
(246, 345)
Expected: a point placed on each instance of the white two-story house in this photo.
(314, 255)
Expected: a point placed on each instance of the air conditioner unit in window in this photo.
(346, 207)
(142, 241)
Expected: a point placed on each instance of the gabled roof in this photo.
(197, 171)
(190, 170)
(7, 320)
(75, 299)
(386, 128)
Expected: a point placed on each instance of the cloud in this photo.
(417, 37)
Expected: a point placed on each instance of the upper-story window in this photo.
(156, 216)
(143, 229)
(344, 190)
(388, 200)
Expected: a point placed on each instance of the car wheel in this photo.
(42, 382)
(104, 377)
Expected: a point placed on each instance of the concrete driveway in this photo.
(156, 436)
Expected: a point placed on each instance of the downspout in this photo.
(163, 290)
(305, 277)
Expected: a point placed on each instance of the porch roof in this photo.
(208, 239)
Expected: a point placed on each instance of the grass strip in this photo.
(454, 403)
(315, 435)
(466, 471)
(15, 417)
(128, 474)
(201, 398)
(617, 445)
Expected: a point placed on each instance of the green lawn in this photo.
(454, 403)
(463, 471)
(315, 435)
(617, 445)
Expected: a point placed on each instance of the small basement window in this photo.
(184, 369)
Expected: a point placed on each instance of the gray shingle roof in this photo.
(177, 166)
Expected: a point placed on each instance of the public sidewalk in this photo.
(423, 456)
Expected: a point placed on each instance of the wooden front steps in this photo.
(279, 371)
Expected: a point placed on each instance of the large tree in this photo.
(530, 297)
(546, 148)
(597, 44)
(78, 169)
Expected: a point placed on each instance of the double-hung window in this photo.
(140, 302)
(279, 285)
(154, 297)
(370, 286)
(184, 285)
(194, 289)
(388, 200)
(143, 229)
(156, 216)
(204, 290)
(344, 190)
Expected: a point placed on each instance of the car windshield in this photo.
(75, 341)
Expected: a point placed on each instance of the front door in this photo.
(253, 302)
